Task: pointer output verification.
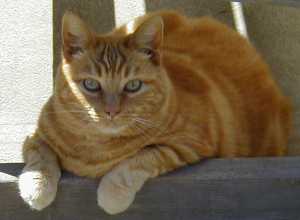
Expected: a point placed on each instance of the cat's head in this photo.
(112, 82)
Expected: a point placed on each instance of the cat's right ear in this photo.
(76, 36)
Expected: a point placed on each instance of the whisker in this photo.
(145, 135)
(146, 121)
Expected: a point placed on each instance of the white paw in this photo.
(37, 189)
(114, 198)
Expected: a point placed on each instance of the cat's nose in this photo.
(112, 111)
(112, 105)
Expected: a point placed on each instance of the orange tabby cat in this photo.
(131, 105)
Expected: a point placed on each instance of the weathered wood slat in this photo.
(260, 189)
(280, 2)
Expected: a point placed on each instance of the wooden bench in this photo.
(218, 189)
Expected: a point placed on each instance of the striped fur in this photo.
(208, 94)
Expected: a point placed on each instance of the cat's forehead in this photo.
(110, 57)
(110, 43)
(111, 51)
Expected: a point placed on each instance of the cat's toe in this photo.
(114, 198)
(36, 189)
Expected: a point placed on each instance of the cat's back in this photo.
(202, 52)
(209, 44)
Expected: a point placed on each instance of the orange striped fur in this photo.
(208, 93)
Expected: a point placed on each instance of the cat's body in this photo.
(207, 93)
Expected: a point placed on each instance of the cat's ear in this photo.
(149, 34)
(76, 36)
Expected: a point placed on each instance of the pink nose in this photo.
(112, 110)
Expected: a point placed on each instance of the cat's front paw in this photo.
(37, 189)
(114, 197)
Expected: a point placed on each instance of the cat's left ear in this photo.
(76, 36)
(149, 35)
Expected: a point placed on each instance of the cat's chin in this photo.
(112, 130)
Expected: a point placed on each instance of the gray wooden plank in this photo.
(195, 8)
(292, 3)
(260, 188)
(274, 31)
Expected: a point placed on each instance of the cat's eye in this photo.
(146, 51)
(91, 85)
(133, 86)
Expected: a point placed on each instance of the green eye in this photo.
(133, 86)
(91, 85)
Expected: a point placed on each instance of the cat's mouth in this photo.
(111, 127)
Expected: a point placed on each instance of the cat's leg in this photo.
(39, 179)
(117, 188)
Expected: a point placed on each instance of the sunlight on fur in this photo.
(77, 93)
(130, 27)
